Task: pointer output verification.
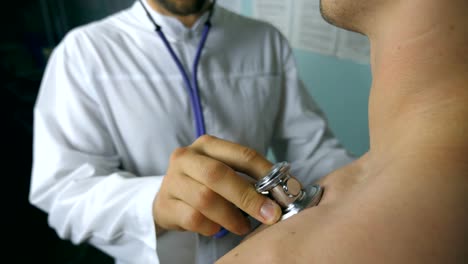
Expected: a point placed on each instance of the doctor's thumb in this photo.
(270, 212)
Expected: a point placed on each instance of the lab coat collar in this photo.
(171, 26)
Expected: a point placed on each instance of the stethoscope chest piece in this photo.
(287, 191)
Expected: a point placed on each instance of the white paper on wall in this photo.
(310, 32)
(276, 12)
(301, 22)
(232, 5)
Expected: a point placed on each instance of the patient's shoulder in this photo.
(411, 206)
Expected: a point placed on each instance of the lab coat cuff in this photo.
(144, 208)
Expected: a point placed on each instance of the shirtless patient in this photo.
(406, 199)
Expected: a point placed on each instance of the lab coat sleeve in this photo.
(76, 177)
(302, 135)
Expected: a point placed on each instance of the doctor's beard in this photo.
(183, 7)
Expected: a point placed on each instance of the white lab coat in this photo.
(112, 106)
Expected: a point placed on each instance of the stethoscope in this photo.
(278, 184)
(191, 84)
(287, 191)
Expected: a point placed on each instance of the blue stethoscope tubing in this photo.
(190, 84)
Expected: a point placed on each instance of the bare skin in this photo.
(188, 20)
(405, 200)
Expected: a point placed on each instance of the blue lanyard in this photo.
(190, 84)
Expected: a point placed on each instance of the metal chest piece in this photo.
(287, 191)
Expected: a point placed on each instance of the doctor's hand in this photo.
(202, 192)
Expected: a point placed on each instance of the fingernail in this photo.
(269, 211)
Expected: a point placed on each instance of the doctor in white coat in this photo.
(118, 104)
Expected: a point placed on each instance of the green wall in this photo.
(341, 89)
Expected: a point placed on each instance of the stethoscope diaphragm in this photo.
(287, 191)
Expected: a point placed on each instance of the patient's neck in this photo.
(419, 97)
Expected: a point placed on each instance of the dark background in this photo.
(30, 29)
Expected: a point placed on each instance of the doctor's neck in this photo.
(419, 60)
(186, 11)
